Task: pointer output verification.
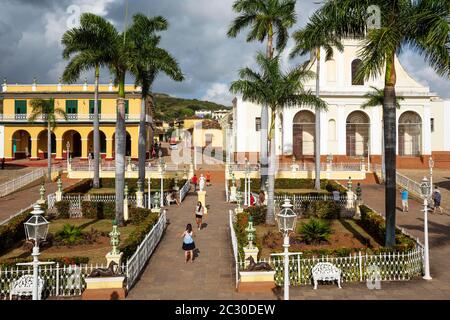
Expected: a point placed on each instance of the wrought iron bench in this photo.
(24, 286)
(326, 271)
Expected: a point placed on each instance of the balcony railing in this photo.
(71, 117)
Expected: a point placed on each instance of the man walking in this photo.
(404, 194)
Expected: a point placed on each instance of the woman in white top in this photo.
(199, 210)
(188, 243)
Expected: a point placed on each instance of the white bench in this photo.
(24, 286)
(326, 271)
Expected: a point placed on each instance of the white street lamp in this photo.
(36, 229)
(425, 190)
(431, 165)
(247, 182)
(286, 223)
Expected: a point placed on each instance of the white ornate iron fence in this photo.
(138, 260)
(234, 244)
(184, 190)
(298, 199)
(59, 280)
(20, 182)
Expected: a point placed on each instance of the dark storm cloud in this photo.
(30, 32)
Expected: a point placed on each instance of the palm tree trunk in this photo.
(317, 126)
(96, 133)
(142, 139)
(390, 146)
(120, 146)
(265, 121)
(270, 216)
(49, 152)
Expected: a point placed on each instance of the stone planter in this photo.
(104, 288)
(256, 281)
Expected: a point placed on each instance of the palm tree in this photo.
(89, 45)
(421, 25)
(45, 109)
(376, 98)
(145, 62)
(277, 90)
(267, 19)
(310, 40)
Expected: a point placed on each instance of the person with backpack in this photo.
(188, 243)
(437, 200)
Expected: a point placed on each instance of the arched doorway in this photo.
(42, 144)
(303, 134)
(358, 134)
(127, 145)
(410, 134)
(102, 142)
(74, 139)
(21, 144)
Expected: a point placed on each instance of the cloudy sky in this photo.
(30, 33)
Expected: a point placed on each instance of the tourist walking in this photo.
(437, 200)
(194, 181)
(404, 194)
(252, 200)
(199, 211)
(188, 243)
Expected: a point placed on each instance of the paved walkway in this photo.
(14, 202)
(211, 276)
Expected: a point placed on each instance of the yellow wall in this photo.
(199, 136)
(190, 123)
(62, 135)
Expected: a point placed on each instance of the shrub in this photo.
(315, 231)
(13, 231)
(258, 213)
(98, 210)
(80, 187)
(375, 225)
(129, 246)
(321, 209)
(138, 215)
(69, 235)
(63, 209)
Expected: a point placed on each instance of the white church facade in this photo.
(349, 132)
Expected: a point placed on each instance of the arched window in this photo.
(410, 134)
(356, 65)
(358, 134)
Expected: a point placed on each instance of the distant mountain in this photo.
(170, 108)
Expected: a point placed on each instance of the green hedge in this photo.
(98, 210)
(328, 185)
(80, 187)
(62, 209)
(129, 246)
(13, 231)
(138, 215)
(258, 213)
(63, 261)
(321, 209)
(375, 225)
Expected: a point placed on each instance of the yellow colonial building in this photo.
(21, 139)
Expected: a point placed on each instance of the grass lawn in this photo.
(346, 233)
(96, 251)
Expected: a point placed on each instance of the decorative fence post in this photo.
(114, 255)
(58, 192)
(233, 189)
(358, 199)
(125, 203)
(139, 195)
(250, 250)
(41, 200)
(360, 267)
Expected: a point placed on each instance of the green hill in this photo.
(170, 108)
